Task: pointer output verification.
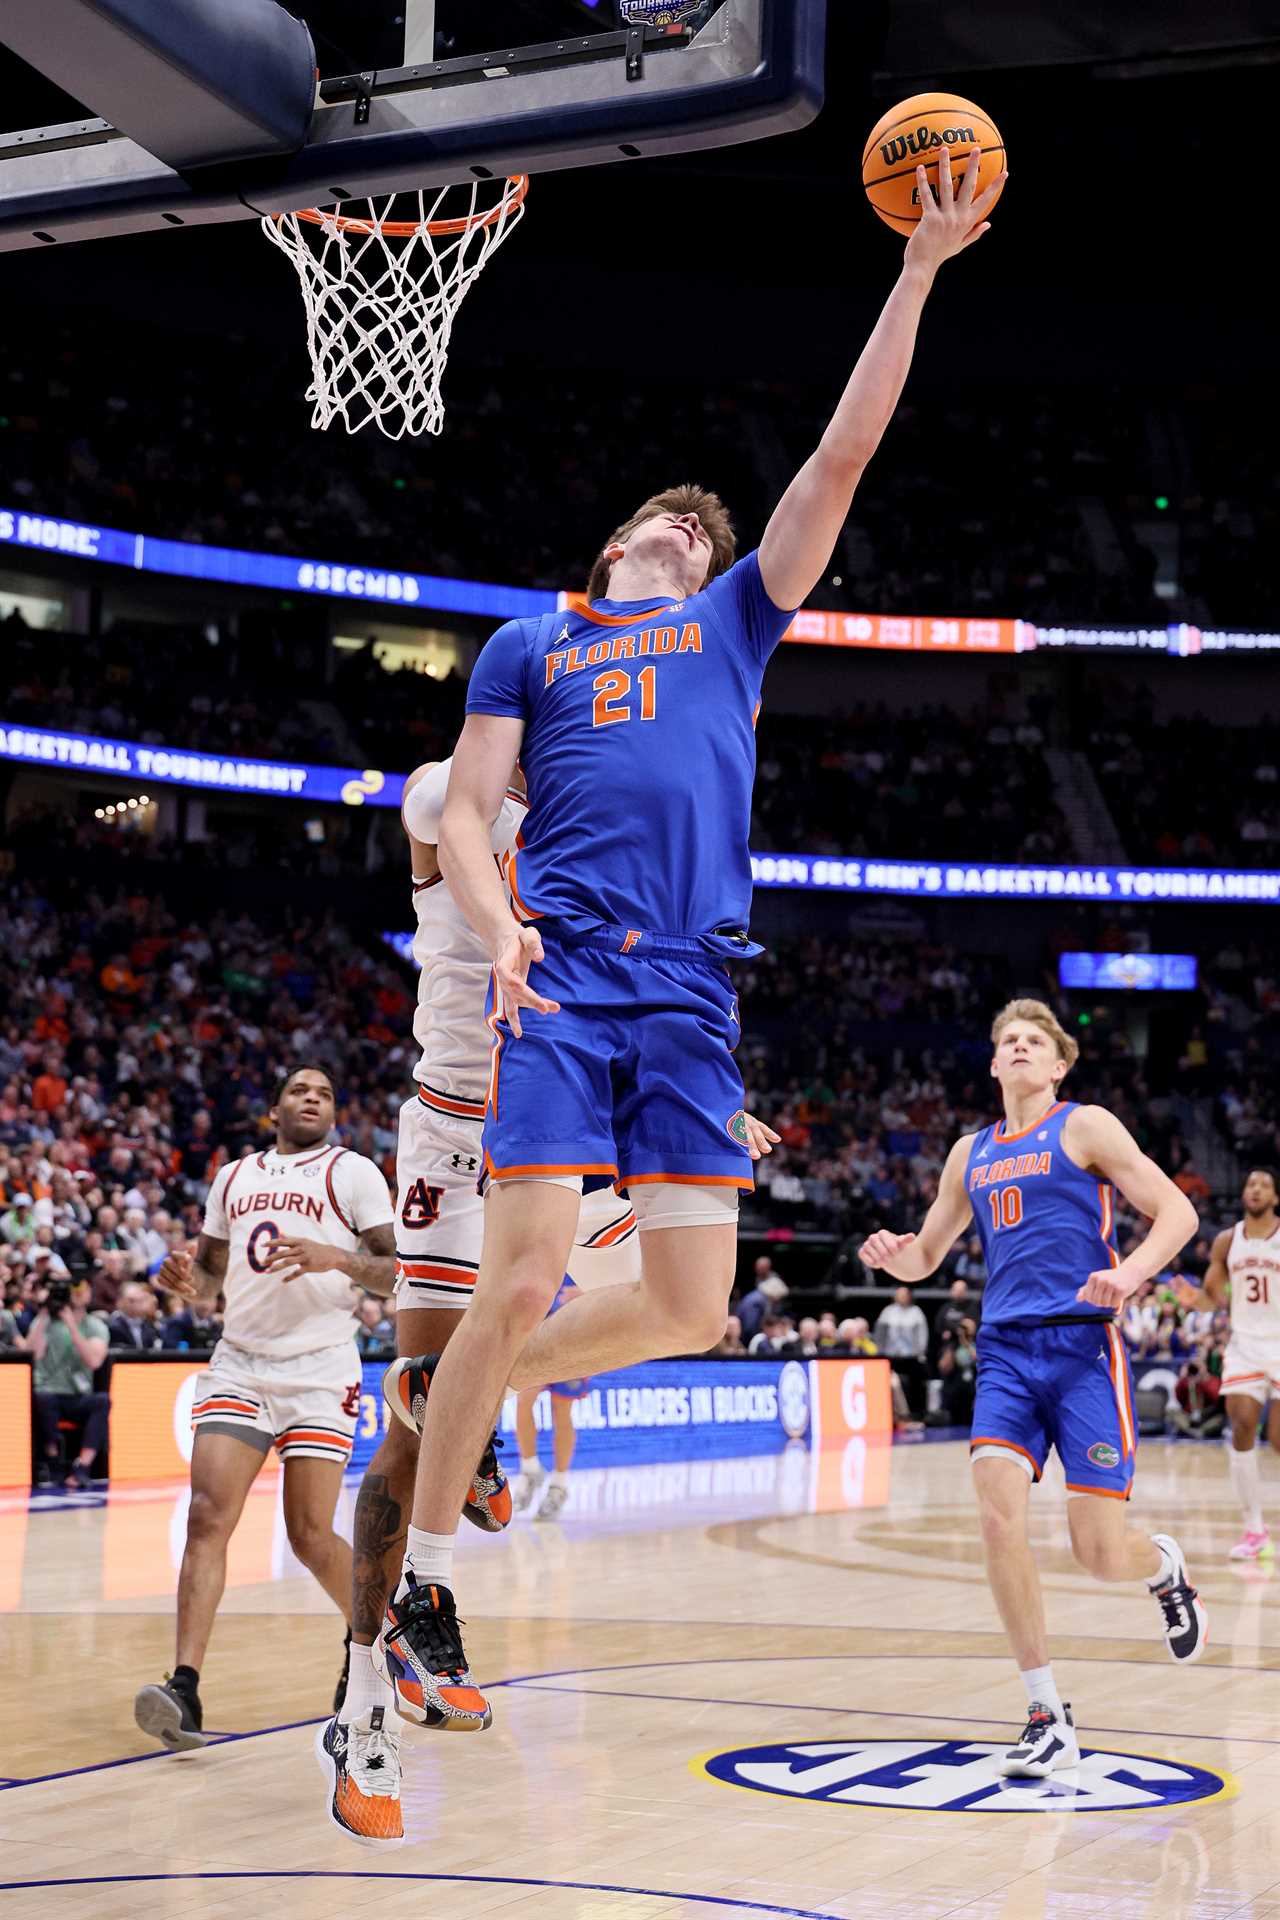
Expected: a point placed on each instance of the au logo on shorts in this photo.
(1103, 1454)
(736, 1127)
(958, 1776)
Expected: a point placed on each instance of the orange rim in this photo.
(517, 187)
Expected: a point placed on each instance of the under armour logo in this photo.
(464, 1163)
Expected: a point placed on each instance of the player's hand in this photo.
(1186, 1293)
(1110, 1288)
(956, 218)
(289, 1258)
(882, 1247)
(177, 1273)
(760, 1138)
(522, 950)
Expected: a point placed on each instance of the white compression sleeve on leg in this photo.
(666, 1204)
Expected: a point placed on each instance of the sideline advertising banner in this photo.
(15, 1423)
(665, 1410)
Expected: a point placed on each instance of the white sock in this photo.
(1168, 1567)
(558, 1479)
(531, 1469)
(429, 1557)
(1041, 1690)
(1245, 1480)
(366, 1687)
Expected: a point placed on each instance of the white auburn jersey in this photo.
(324, 1193)
(454, 967)
(1254, 1267)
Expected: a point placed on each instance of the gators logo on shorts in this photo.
(1103, 1454)
(736, 1128)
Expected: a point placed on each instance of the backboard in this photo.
(641, 78)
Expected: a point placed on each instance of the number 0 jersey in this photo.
(639, 755)
(325, 1193)
(1254, 1266)
(1045, 1223)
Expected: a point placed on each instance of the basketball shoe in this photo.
(361, 1761)
(524, 1487)
(1186, 1625)
(405, 1386)
(171, 1714)
(553, 1502)
(1044, 1746)
(1253, 1544)
(422, 1653)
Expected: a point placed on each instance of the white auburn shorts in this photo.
(307, 1404)
(1251, 1366)
(440, 1216)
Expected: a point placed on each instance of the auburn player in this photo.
(289, 1236)
(1245, 1268)
(1052, 1369)
(613, 1014)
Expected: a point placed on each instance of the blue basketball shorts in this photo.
(633, 1080)
(1067, 1387)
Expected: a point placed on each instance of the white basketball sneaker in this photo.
(1044, 1745)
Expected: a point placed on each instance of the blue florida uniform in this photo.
(1051, 1371)
(633, 863)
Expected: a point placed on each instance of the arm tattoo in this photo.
(374, 1267)
(377, 1534)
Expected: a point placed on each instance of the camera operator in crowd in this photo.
(69, 1344)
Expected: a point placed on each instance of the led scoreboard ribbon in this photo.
(341, 580)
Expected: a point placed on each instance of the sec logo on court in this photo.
(958, 1776)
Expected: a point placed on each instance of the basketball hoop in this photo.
(381, 295)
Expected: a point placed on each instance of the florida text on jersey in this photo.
(639, 755)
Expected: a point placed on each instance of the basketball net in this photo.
(381, 295)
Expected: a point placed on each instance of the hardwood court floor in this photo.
(682, 1612)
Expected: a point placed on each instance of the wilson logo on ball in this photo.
(923, 139)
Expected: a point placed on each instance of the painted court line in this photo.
(539, 1683)
(449, 1879)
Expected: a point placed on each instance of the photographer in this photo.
(69, 1345)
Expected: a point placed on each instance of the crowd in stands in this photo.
(139, 1048)
(1036, 509)
(918, 785)
(1190, 792)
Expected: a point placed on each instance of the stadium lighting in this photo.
(1162, 502)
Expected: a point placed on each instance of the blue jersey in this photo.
(639, 755)
(1045, 1223)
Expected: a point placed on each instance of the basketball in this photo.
(917, 130)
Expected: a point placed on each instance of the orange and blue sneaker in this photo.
(424, 1660)
(405, 1386)
(361, 1761)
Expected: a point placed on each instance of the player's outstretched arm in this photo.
(801, 537)
(1095, 1139)
(1217, 1280)
(914, 1256)
(483, 763)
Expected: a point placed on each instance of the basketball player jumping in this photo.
(1245, 1266)
(1052, 1368)
(614, 1017)
(439, 1229)
(289, 1236)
